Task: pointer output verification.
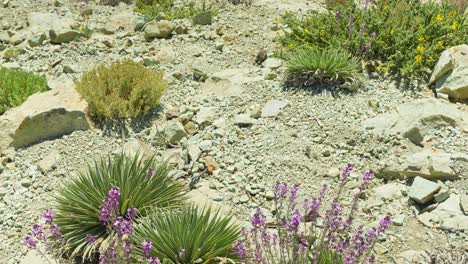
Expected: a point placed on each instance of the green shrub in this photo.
(404, 37)
(169, 10)
(125, 89)
(188, 236)
(143, 185)
(311, 65)
(16, 86)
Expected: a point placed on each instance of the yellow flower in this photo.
(420, 48)
(385, 69)
(439, 18)
(431, 58)
(378, 69)
(385, 7)
(421, 39)
(440, 43)
(419, 58)
(306, 30)
(381, 42)
(392, 31)
(420, 27)
(452, 14)
(455, 26)
(277, 20)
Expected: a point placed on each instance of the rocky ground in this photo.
(231, 129)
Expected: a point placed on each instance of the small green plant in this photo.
(125, 89)
(141, 184)
(16, 86)
(12, 53)
(309, 65)
(168, 9)
(191, 235)
(403, 37)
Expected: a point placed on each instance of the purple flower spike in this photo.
(131, 213)
(48, 216)
(30, 242)
(154, 260)
(150, 173)
(338, 14)
(280, 190)
(295, 220)
(346, 171)
(114, 193)
(372, 35)
(240, 249)
(147, 247)
(181, 252)
(258, 219)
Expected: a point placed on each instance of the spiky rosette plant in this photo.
(190, 235)
(81, 203)
(311, 66)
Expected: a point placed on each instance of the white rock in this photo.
(43, 116)
(272, 108)
(422, 190)
(49, 162)
(174, 131)
(272, 63)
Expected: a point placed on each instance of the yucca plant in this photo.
(143, 184)
(311, 65)
(190, 235)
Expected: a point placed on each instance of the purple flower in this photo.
(49, 216)
(181, 252)
(38, 232)
(280, 190)
(150, 173)
(123, 226)
(147, 247)
(295, 220)
(90, 239)
(240, 249)
(384, 223)
(346, 171)
(154, 260)
(366, 179)
(127, 248)
(114, 193)
(293, 195)
(55, 231)
(30, 242)
(258, 219)
(131, 213)
(372, 35)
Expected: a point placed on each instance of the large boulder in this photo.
(44, 22)
(125, 21)
(449, 74)
(43, 116)
(414, 120)
(228, 82)
(159, 29)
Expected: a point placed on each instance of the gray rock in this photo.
(49, 162)
(244, 120)
(36, 40)
(205, 116)
(228, 82)
(63, 35)
(194, 152)
(44, 22)
(32, 257)
(19, 37)
(70, 69)
(272, 108)
(43, 116)
(272, 63)
(389, 192)
(442, 195)
(174, 131)
(219, 45)
(204, 18)
(429, 165)
(137, 147)
(449, 74)
(414, 120)
(159, 29)
(464, 203)
(125, 21)
(422, 190)
(450, 216)
(165, 55)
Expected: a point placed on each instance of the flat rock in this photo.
(137, 147)
(389, 192)
(227, 82)
(59, 36)
(34, 258)
(205, 116)
(49, 162)
(43, 116)
(272, 108)
(422, 190)
(272, 63)
(40, 22)
(449, 215)
(204, 18)
(464, 203)
(174, 131)
(449, 74)
(244, 120)
(415, 119)
(429, 165)
(123, 21)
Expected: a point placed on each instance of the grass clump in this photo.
(401, 37)
(168, 9)
(125, 89)
(81, 212)
(191, 235)
(114, 2)
(311, 65)
(12, 53)
(17, 85)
